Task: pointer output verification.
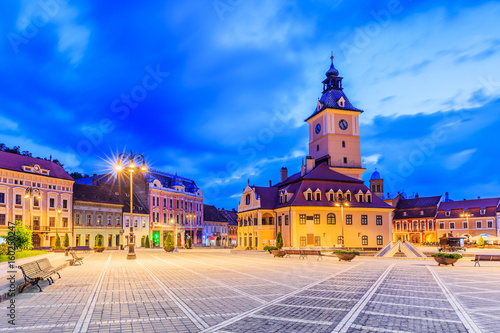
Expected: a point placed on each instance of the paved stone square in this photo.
(207, 291)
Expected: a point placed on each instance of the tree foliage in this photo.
(98, 241)
(17, 150)
(66, 240)
(480, 241)
(21, 238)
(58, 241)
(279, 241)
(169, 242)
(146, 242)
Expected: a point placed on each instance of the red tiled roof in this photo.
(92, 193)
(475, 212)
(467, 204)
(11, 161)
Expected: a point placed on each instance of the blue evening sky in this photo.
(218, 90)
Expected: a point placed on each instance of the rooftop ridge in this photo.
(162, 173)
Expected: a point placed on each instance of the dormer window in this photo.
(309, 196)
(368, 198)
(482, 211)
(348, 196)
(405, 213)
(341, 102)
(421, 212)
(318, 196)
(447, 213)
(360, 198)
(247, 199)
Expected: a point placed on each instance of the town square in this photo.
(236, 166)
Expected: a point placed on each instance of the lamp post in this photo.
(341, 202)
(58, 211)
(467, 215)
(191, 216)
(129, 162)
(35, 193)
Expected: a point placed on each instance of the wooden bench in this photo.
(81, 248)
(36, 271)
(76, 259)
(485, 257)
(305, 253)
(289, 252)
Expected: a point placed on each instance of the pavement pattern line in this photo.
(413, 317)
(193, 316)
(461, 312)
(377, 329)
(410, 305)
(141, 320)
(83, 322)
(234, 271)
(312, 307)
(349, 318)
(222, 285)
(404, 296)
(277, 300)
(294, 320)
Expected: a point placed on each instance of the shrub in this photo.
(98, 241)
(169, 242)
(279, 241)
(448, 255)
(146, 242)
(269, 248)
(58, 241)
(22, 238)
(190, 242)
(346, 252)
(66, 240)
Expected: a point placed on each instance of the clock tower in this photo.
(334, 129)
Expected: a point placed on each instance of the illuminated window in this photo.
(317, 241)
(380, 240)
(302, 218)
(364, 240)
(364, 219)
(348, 219)
(302, 241)
(479, 224)
(316, 219)
(330, 219)
(379, 219)
(340, 240)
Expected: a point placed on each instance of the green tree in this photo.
(98, 241)
(480, 241)
(58, 241)
(66, 240)
(279, 241)
(21, 239)
(169, 242)
(146, 242)
(190, 242)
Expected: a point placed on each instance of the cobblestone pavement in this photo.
(217, 292)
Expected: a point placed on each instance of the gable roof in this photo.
(468, 204)
(212, 214)
(92, 193)
(15, 162)
(419, 202)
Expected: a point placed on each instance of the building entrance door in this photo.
(35, 240)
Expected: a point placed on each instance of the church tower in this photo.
(377, 184)
(334, 129)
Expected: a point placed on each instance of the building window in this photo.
(348, 196)
(368, 198)
(330, 219)
(302, 241)
(479, 224)
(89, 219)
(464, 224)
(348, 219)
(482, 211)
(340, 240)
(177, 204)
(318, 196)
(118, 220)
(343, 144)
(18, 218)
(378, 188)
(490, 224)
(279, 220)
(441, 225)
(379, 219)
(65, 204)
(65, 222)
(452, 225)
(345, 160)
(302, 218)
(430, 226)
(247, 199)
(316, 219)
(254, 221)
(331, 197)
(421, 212)
(36, 202)
(317, 147)
(286, 219)
(52, 222)
(380, 240)
(77, 219)
(360, 198)
(364, 240)
(109, 220)
(2, 219)
(77, 240)
(447, 213)
(364, 219)
(51, 203)
(2, 197)
(18, 199)
(99, 220)
(164, 202)
(309, 196)
(317, 241)
(171, 204)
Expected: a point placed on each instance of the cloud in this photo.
(8, 125)
(456, 160)
(372, 159)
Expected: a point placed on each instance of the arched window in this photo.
(248, 199)
(380, 240)
(330, 219)
(343, 144)
(364, 240)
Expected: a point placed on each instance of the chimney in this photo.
(310, 162)
(284, 175)
(94, 179)
(416, 195)
(446, 197)
(270, 183)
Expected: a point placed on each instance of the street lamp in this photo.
(341, 202)
(191, 234)
(28, 194)
(58, 210)
(129, 162)
(467, 215)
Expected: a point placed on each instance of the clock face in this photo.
(343, 124)
(318, 128)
